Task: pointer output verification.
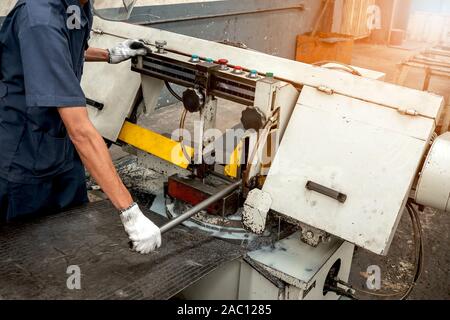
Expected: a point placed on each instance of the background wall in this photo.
(263, 25)
(436, 6)
(430, 21)
(350, 17)
(270, 26)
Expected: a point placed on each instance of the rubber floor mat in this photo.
(35, 257)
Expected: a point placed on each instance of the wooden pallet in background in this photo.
(435, 62)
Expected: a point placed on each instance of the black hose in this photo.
(419, 248)
(169, 87)
(418, 254)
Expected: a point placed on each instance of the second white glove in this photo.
(144, 234)
(126, 50)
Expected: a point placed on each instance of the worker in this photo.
(45, 133)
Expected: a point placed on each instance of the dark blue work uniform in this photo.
(41, 63)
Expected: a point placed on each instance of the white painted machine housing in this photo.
(117, 83)
(433, 189)
(370, 153)
(358, 140)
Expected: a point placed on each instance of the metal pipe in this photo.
(199, 207)
(218, 15)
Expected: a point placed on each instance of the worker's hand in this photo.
(126, 50)
(144, 234)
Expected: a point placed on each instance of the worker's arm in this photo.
(92, 149)
(94, 154)
(96, 55)
(51, 82)
(120, 53)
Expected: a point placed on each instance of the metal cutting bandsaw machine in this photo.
(332, 155)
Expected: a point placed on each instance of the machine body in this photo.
(332, 154)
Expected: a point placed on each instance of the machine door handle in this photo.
(95, 104)
(326, 191)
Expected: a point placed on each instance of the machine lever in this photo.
(326, 191)
(199, 207)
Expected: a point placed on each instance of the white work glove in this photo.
(144, 234)
(126, 50)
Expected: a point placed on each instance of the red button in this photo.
(223, 61)
(238, 68)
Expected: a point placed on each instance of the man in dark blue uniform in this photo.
(45, 132)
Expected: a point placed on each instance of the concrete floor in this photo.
(397, 267)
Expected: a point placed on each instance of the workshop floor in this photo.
(397, 267)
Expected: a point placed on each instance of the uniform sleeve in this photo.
(50, 80)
